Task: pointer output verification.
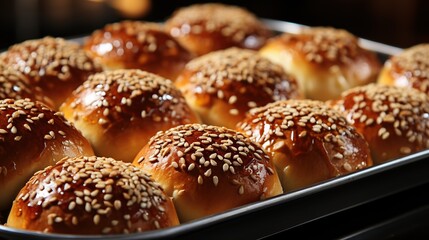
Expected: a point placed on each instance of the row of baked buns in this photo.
(147, 126)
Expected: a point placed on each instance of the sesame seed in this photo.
(117, 204)
(175, 165)
(225, 167)
(348, 167)
(75, 220)
(208, 173)
(233, 111)
(88, 207)
(191, 167)
(381, 131)
(72, 205)
(96, 219)
(241, 190)
(215, 180)
(48, 137)
(405, 150)
(232, 99)
(79, 201)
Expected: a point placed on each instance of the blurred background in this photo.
(400, 23)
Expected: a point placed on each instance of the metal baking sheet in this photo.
(289, 210)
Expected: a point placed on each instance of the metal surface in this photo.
(292, 209)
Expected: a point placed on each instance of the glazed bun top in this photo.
(208, 169)
(325, 45)
(225, 25)
(115, 98)
(92, 195)
(32, 136)
(237, 68)
(137, 45)
(55, 65)
(301, 126)
(325, 61)
(205, 154)
(411, 67)
(394, 120)
(15, 85)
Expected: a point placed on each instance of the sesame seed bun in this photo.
(32, 136)
(14, 85)
(408, 69)
(91, 195)
(137, 45)
(208, 169)
(222, 86)
(325, 61)
(118, 111)
(53, 65)
(393, 120)
(203, 28)
(308, 141)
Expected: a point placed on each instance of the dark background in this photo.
(400, 23)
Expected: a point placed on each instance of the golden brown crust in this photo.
(91, 195)
(408, 69)
(15, 85)
(308, 141)
(325, 61)
(32, 137)
(118, 111)
(208, 169)
(137, 45)
(393, 120)
(222, 86)
(54, 65)
(203, 28)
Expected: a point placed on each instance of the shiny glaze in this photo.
(204, 28)
(106, 197)
(394, 121)
(205, 165)
(54, 65)
(308, 141)
(137, 45)
(31, 140)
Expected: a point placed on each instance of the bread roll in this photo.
(54, 65)
(410, 68)
(325, 61)
(208, 169)
(32, 137)
(15, 85)
(393, 120)
(308, 141)
(223, 85)
(203, 28)
(137, 45)
(91, 195)
(119, 111)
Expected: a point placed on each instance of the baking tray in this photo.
(291, 210)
